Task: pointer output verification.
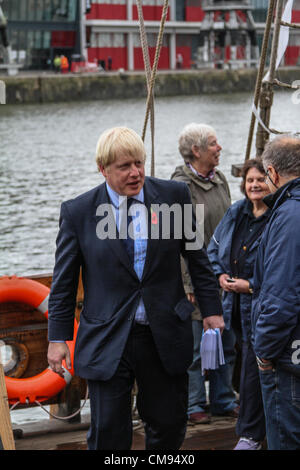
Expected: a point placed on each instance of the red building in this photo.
(113, 38)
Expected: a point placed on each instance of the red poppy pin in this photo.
(153, 217)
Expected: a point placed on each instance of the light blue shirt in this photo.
(140, 240)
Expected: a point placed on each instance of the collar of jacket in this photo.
(284, 192)
(207, 185)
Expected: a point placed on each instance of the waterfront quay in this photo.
(48, 87)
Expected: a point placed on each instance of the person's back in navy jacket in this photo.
(276, 299)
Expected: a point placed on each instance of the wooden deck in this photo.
(23, 324)
(51, 434)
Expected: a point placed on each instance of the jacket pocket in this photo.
(184, 309)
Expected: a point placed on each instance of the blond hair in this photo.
(118, 140)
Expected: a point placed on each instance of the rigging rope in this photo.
(151, 76)
(146, 57)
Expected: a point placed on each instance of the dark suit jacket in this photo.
(112, 289)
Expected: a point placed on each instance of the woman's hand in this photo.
(240, 286)
(223, 282)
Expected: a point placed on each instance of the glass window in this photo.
(40, 10)
(39, 7)
(30, 42)
(23, 10)
(14, 42)
(72, 10)
(31, 10)
(38, 40)
(14, 10)
(64, 10)
(47, 40)
(47, 10)
(22, 45)
(5, 7)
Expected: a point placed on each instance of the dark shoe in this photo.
(199, 418)
(231, 413)
(234, 413)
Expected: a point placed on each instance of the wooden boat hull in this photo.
(26, 328)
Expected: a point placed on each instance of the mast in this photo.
(264, 91)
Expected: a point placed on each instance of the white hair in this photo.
(194, 134)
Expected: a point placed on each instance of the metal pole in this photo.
(82, 29)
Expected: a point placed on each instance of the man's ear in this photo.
(102, 170)
(273, 174)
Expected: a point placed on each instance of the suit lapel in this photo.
(115, 244)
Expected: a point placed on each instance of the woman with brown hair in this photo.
(232, 252)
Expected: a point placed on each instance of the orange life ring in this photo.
(46, 384)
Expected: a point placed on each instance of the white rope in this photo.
(62, 418)
(137, 423)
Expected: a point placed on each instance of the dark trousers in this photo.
(161, 400)
(251, 420)
(281, 396)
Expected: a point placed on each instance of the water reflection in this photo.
(47, 156)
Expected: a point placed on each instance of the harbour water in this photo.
(47, 155)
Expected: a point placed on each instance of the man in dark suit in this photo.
(135, 323)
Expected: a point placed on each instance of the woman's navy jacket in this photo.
(219, 250)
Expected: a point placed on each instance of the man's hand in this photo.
(191, 298)
(215, 321)
(56, 353)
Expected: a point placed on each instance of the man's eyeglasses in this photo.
(269, 177)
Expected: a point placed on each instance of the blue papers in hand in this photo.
(211, 350)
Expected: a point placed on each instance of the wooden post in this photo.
(260, 73)
(6, 433)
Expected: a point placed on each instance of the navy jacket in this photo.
(112, 289)
(219, 250)
(276, 299)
